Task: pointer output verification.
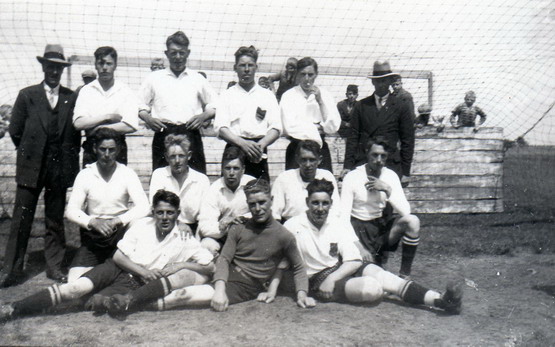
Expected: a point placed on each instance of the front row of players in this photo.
(159, 265)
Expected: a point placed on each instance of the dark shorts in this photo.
(96, 249)
(89, 156)
(374, 234)
(316, 280)
(197, 161)
(240, 287)
(256, 170)
(291, 162)
(109, 279)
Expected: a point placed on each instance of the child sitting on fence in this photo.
(465, 114)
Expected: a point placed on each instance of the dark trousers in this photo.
(256, 170)
(89, 156)
(24, 212)
(197, 161)
(291, 163)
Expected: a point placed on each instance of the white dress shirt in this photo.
(141, 245)
(236, 110)
(289, 194)
(52, 94)
(176, 98)
(301, 115)
(220, 202)
(93, 100)
(191, 193)
(93, 197)
(366, 205)
(320, 248)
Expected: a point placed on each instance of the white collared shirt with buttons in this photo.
(93, 197)
(289, 193)
(366, 205)
(176, 98)
(141, 245)
(236, 110)
(93, 100)
(301, 115)
(220, 202)
(191, 193)
(320, 248)
(52, 94)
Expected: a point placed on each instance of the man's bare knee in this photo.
(363, 289)
(184, 278)
(410, 225)
(76, 289)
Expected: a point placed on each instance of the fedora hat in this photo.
(382, 69)
(53, 54)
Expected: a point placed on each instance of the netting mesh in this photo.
(503, 50)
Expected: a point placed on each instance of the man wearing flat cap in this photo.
(382, 114)
(47, 145)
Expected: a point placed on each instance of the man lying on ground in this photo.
(248, 260)
(335, 267)
(153, 258)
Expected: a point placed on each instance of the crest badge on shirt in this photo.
(333, 249)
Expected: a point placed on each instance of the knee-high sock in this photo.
(416, 294)
(38, 302)
(150, 291)
(409, 251)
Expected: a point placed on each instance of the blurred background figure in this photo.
(464, 115)
(287, 78)
(157, 64)
(345, 108)
(423, 117)
(5, 116)
(88, 76)
(265, 83)
(401, 92)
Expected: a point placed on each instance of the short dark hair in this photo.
(352, 88)
(104, 51)
(178, 38)
(166, 196)
(259, 185)
(180, 140)
(309, 145)
(380, 141)
(107, 134)
(248, 51)
(307, 61)
(232, 153)
(320, 185)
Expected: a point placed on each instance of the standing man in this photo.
(345, 108)
(105, 103)
(47, 157)
(382, 114)
(248, 115)
(177, 100)
(364, 195)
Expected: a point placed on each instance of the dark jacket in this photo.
(394, 121)
(28, 132)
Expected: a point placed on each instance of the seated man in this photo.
(99, 203)
(225, 201)
(334, 264)
(248, 260)
(152, 258)
(178, 177)
(289, 190)
(248, 116)
(365, 193)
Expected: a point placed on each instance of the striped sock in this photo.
(413, 293)
(151, 291)
(409, 252)
(38, 302)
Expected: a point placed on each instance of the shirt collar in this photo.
(384, 98)
(244, 180)
(95, 171)
(95, 84)
(185, 72)
(47, 89)
(242, 90)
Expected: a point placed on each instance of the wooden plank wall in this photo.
(456, 171)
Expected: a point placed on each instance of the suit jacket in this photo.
(394, 121)
(28, 130)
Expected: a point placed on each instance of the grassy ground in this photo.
(507, 261)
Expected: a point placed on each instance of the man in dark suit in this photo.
(47, 157)
(382, 114)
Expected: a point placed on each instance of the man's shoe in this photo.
(119, 303)
(451, 300)
(56, 275)
(9, 279)
(6, 313)
(98, 303)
